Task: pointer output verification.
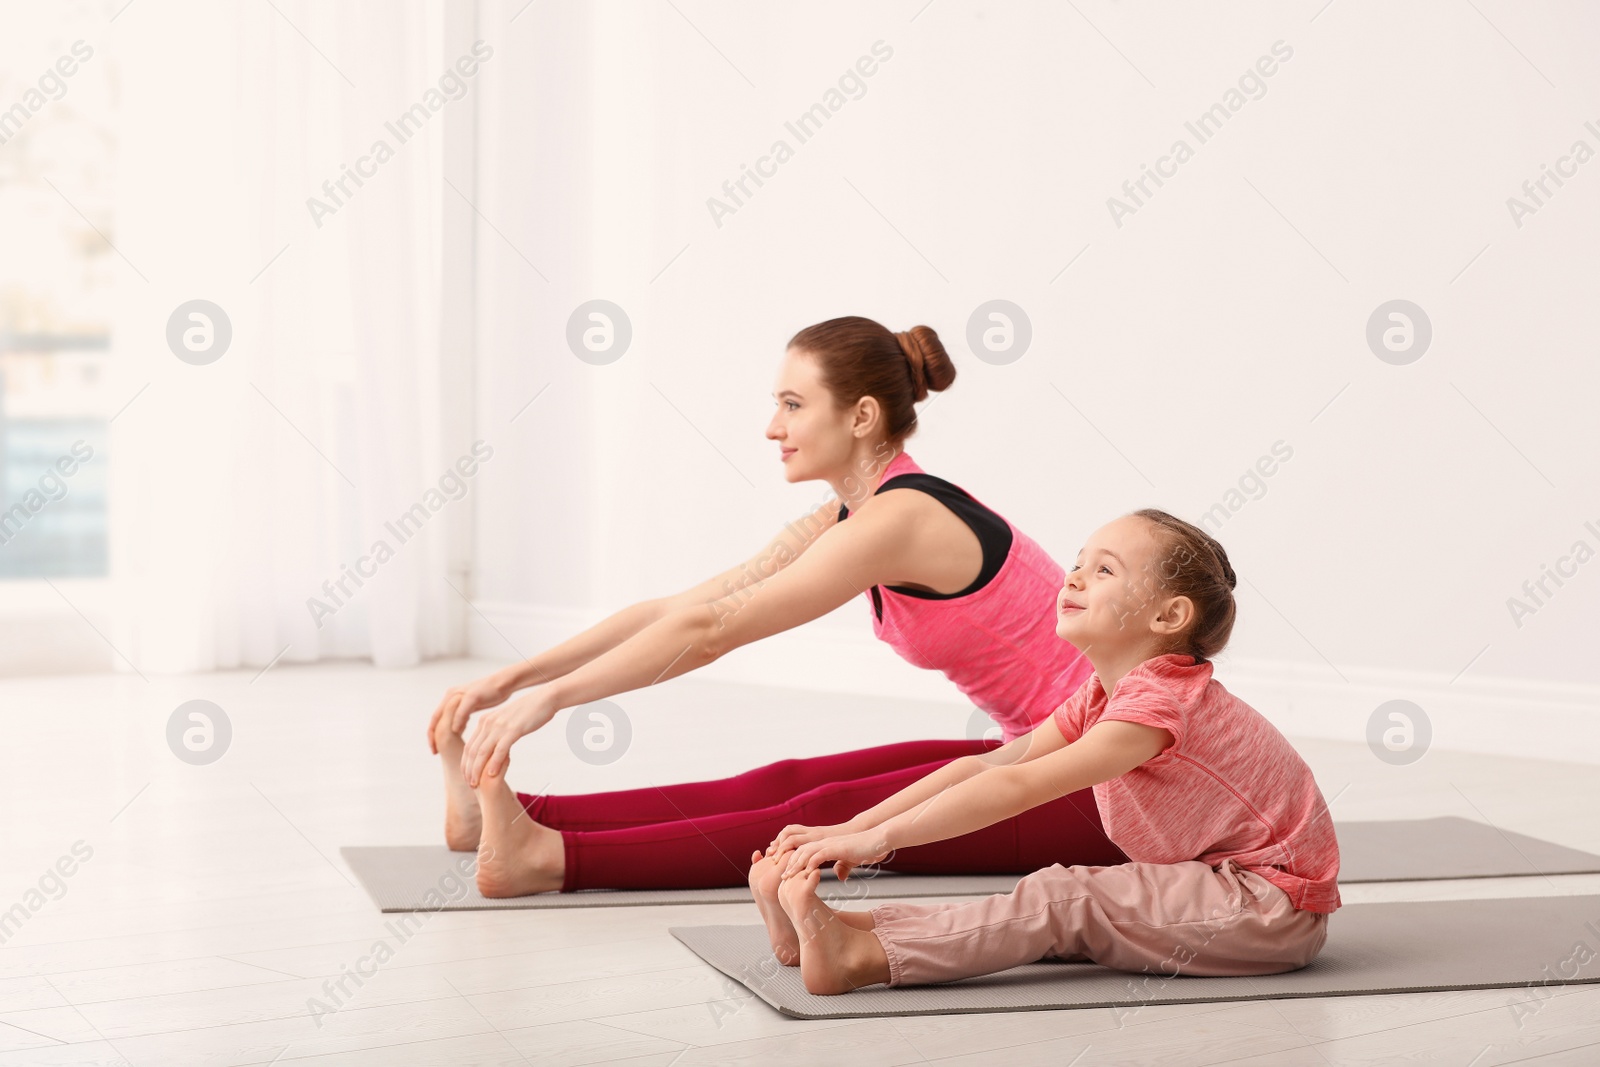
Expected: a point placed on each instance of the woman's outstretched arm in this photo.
(461, 701)
(839, 564)
(610, 632)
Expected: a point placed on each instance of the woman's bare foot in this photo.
(517, 856)
(836, 955)
(463, 824)
(765, 877)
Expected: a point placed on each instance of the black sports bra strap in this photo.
(992, 531)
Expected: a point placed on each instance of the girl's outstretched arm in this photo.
(1040, 741)
(1106, 750)
(1047, 768)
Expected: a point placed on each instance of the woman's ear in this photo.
(868, 413)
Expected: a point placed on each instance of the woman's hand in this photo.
(847, 852)
(462, 700)
(489, 748)
(795, 835)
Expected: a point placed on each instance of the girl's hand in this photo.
(462, 700)
(794, 835)
(847, 853)
(488, 750)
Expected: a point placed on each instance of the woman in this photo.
(951, 585)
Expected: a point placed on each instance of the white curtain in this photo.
(245, 492)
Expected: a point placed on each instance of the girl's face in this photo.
(814, 438)
(1112, 599)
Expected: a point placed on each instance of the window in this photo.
(57, 148)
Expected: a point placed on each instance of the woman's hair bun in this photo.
(862, 357)
(930, 364)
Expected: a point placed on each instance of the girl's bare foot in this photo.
(517, 856)
(463, 824)
(836, 955)
(765, 876)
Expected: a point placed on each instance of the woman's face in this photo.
(814, 438)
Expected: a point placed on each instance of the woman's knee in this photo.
(783, 776)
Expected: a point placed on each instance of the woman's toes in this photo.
(463, 822)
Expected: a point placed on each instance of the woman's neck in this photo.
(863, 474)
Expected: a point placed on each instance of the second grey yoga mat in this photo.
(1371, 948)
(399, 878)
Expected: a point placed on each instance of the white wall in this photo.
(1221, 317)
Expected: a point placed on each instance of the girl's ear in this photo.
(1175, 616)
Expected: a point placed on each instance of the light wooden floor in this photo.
(214, 907)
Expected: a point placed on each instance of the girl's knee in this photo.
(1051, 888)
(1315, 942)
(1075, 880)
(1284, 947)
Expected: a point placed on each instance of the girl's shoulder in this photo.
(1173, 667)
(1175, 677)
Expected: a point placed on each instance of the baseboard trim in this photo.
(1527, 718)
(51, 644)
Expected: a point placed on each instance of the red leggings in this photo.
(699, 835)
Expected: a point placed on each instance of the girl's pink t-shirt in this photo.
(997, 644)
(1230, 786)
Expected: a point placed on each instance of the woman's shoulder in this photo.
(924, 489)
(887, 504)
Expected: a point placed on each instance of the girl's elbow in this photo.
(1024, 787)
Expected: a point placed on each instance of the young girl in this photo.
(948, 583)
(1233, 858)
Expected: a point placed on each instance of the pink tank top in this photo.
(998, 644)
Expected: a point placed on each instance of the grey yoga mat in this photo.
(1537, 942)
(400, 878)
